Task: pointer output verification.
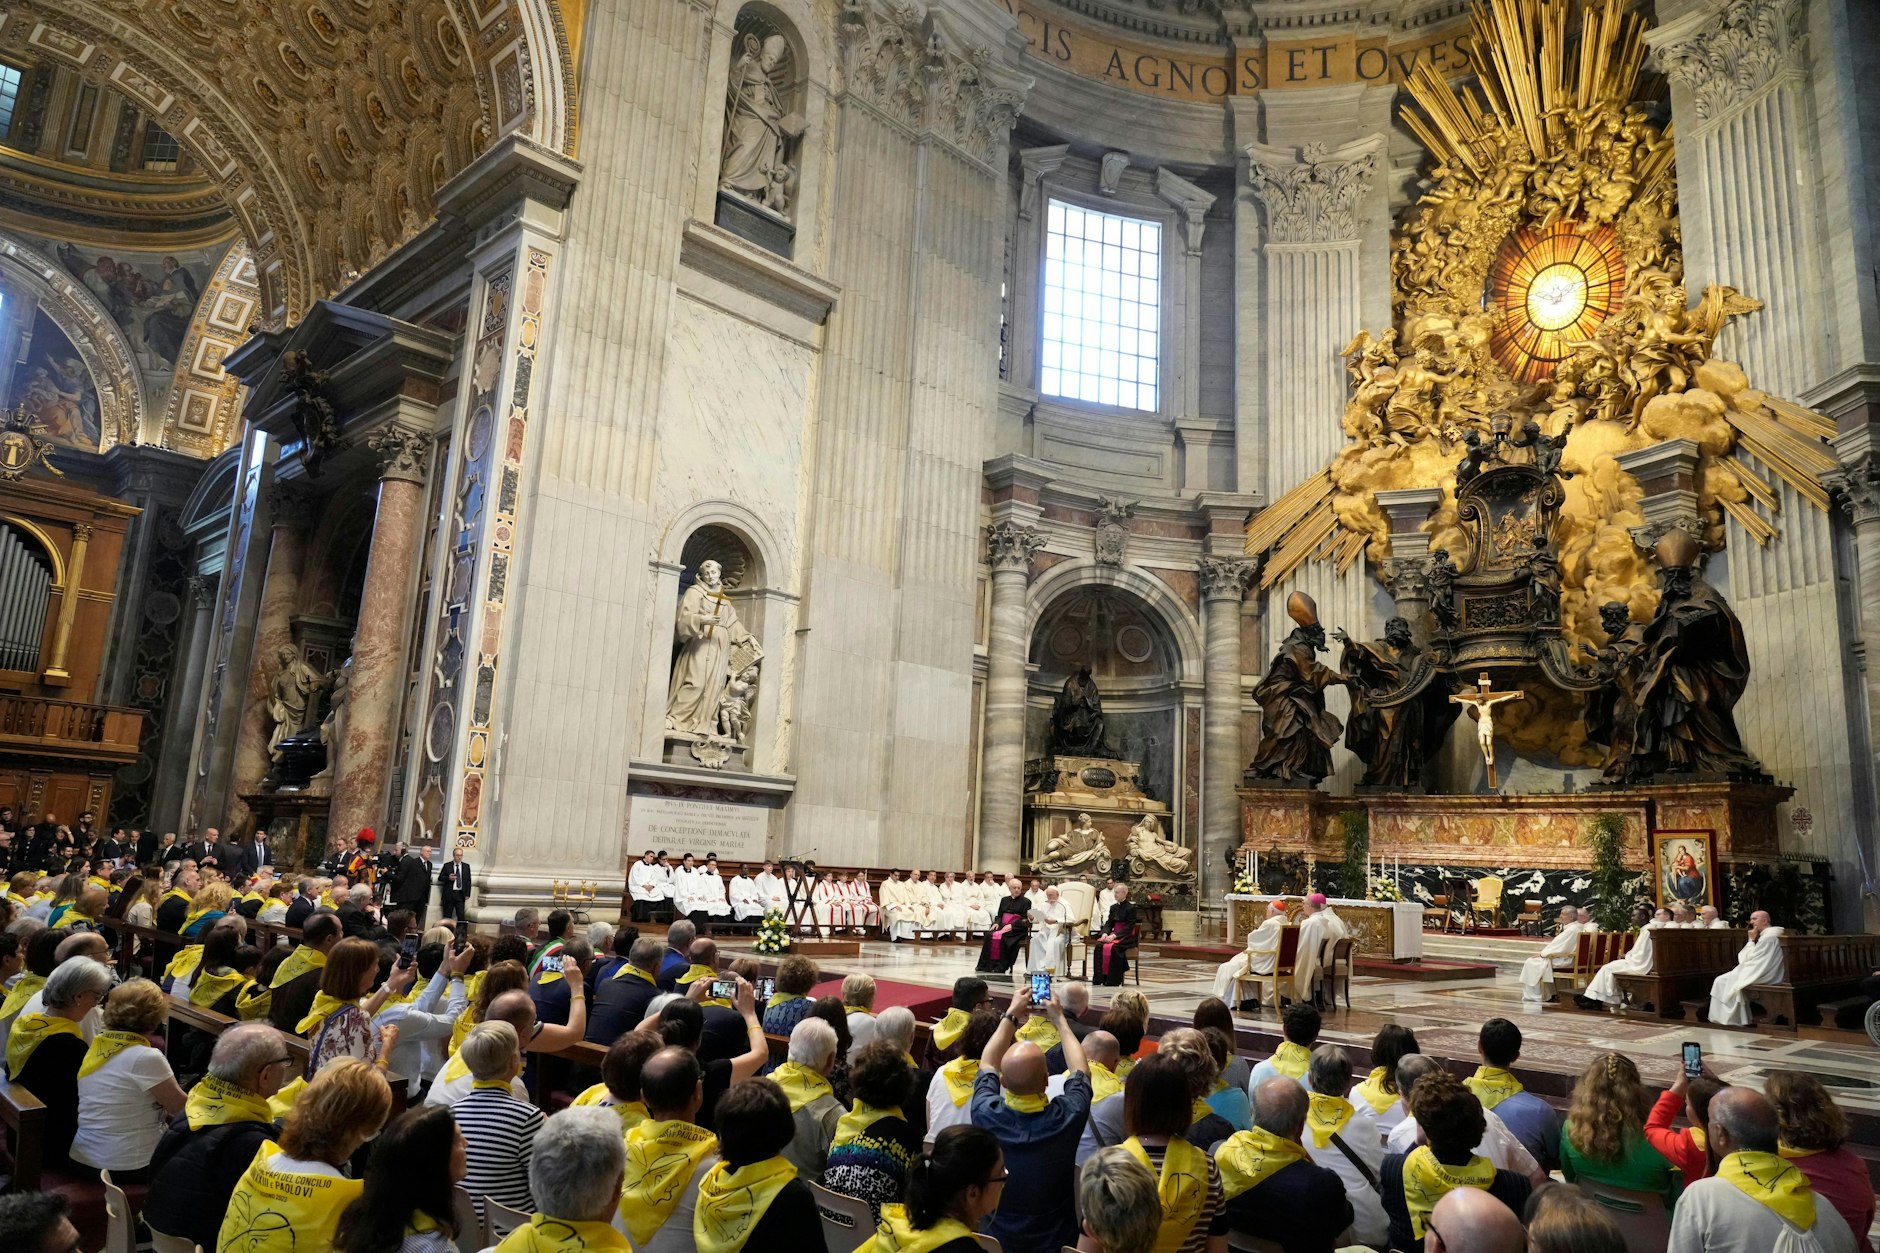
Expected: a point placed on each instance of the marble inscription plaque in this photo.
(698, 827)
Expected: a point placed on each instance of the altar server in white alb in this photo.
(901, 912)
(831, 909)
(707, 897)
(747, 904)
(1261, 952)
(1637, 960)
(1318, 927)
(1759, 961)
(1537, 973)
(862, 911)
(770, 887)
(683, 885)
(647, 884)
(978, 905)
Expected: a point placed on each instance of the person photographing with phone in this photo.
(426, 1010)
(1687, 1148)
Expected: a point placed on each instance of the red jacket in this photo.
(1841, 1178)
(1679, 1147)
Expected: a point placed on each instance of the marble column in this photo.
(1009, 549)
(1404, 573)
(1857, 491)
(192, 661)
(378, 656)
(74, 591)
(290, 507)
(1224, 582)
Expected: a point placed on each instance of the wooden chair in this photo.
(1438, 910)
(120, 1234)
(1285, 961)
(846, 1222)
(1487, 900)
(502, 1220)
(1641, 1215)
(1529, 920)
(1335, 965)
(472, 1234)
(1586, 962)
(1132, 949)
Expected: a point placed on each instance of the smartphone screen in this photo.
(1693, 1059)
(724, 989)
(407, 951)
(1040, 986)
(766, 986)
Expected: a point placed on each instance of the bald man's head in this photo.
(1741, 1120)
(1101, 1048)
(1022, 1070)
(82, 944)
(516, 1009)
(1279, 1106)
(1469, 1220)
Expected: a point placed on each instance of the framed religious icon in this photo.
(1684, 868)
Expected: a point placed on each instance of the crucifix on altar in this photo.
(1481, 705)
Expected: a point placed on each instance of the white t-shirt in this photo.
(119, 1120)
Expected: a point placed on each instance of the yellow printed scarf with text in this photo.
(1427, 1181)
(20, 993)
(278, 1211)
(281, 1104)
(1030, 1103)
(732, 1202)
(29, 1032)
(801, 1084)
(858, 1120)
(661, 1157)
(635, 972)
(632, 1113)
(1326, 1116)
(1104, 1082)
(299, 962)
(694, 973)
(1291, 1059)
(1248, 1158)
(211, 987)
(174, 894)
(1372, 1092)
(1769, 1180)
(106, 1045)
(185, 962)
(324, 1007)
(216, 1102)
(961, 1073)
(1038, 1030)
(542, 1234)
(783, 998)
(253, 1002)
(1493, 1085)
(1182, 1185)
(947, 1031)
(897, 1233)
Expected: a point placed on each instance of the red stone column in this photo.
(290, 507)
(363, 773)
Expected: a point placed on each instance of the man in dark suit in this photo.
(355, 913)
(147, 844)
(202, 848)
(294, 997)
(1302, 1206)
(621, 1001)
(453, 881)
(173, 905)
(302, 906)
(411, 885)
(231, 857)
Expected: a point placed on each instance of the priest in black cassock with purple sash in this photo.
(1109, 952)
(1011, 928)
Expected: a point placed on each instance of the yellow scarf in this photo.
(216, 1102)
(99, 882)
(299, 962)
(542, 1234)
(1039, 1031)
(74, 918)
(1372, 1092)
(1326, 1116)
(1700, 1139)
(801, 1084)
(326, 900)
(1768, 1180)
(1247, 1158)
(29, 1032)
(661, 1157)
(1790, 1153)
(185, 961)
(1492, 1085)
(632, 1113)
(635, 971)
(1104, 1082)
(276, 1211)
(324, 1007)
(174, 894)
(1182, 1185)
(281, 1104)
(1292, 1059)
(897, 1233)
(253, 1002)
(106, 1045)
(783, 998)
(860, 1119)
(195, 916)
(1426, 1181)
(947, 1031)
(694, 973)
(210, 987)
(732, 1202)
(20, 993)
(1032, 1104)
(960, 1074)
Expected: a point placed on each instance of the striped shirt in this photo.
(499, 1132)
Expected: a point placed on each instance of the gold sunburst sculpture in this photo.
(1541, 276)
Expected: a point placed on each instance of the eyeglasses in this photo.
(1431, 1229)
(285, 1059)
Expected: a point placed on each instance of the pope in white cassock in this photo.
(1318, 926)
(1050, 922)
(1637, 961)
(1261, 952)
(1759, 961)
(1558, 955)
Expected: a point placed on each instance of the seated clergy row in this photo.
(1319, 925)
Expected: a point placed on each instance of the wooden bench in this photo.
(1685, 961)
(1821, 969)
(25, 1116)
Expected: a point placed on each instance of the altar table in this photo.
(1379, 929)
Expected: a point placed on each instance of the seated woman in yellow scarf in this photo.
(340, 1022)
(206, 908)
(64, 896)
(949, 1193)
(619, 1088)
(406, 1204)
(292, 1194)
(46, 1047)
(1158, 1106)
(752, 1198)
(875, 1145)
(1450, 1119)
(126, 1091)
(575, 1176)
(37, 957)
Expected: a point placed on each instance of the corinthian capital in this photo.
(402, 452)
(1009, 546)
(1225, 578)
(1857, 490)
(1724, 57)
(1313, 196)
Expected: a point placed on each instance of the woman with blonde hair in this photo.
(206, 908)
(1119, 1208)
(1814, 1138)
(1560, 1219)
(1603, 1139)
(340, 1022)
(292, 1194)
(126, 1091)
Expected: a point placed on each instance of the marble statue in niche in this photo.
(762, 128)
(333, 726)
(714, 670)
(293, 698)
(1081, 845)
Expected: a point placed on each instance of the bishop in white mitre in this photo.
(1761, 960)
(1637, 961)
(1318, 927)
(1261, 952)
(1558, 955)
